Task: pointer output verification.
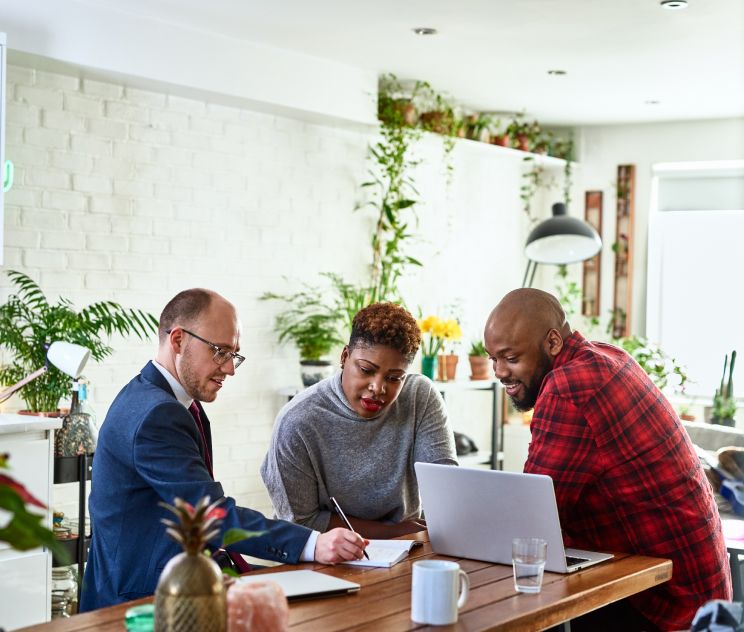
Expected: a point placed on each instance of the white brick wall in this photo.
(134, 195)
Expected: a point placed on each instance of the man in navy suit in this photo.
(155, 445)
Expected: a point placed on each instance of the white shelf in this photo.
(540, 159)
(478, 459)
(466, 385)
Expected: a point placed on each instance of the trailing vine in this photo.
(393, 197)
(532, 181)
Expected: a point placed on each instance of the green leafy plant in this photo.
(311, 322)
(315, 320)
(25, 529)
(393, 198)
(29, 323)
(661, 368)
(724, 403)
(534, 179)
(478, 348)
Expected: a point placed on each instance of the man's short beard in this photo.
(532, 390)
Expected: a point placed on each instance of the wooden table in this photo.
(384, 601)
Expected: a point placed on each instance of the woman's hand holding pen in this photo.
(339, 545)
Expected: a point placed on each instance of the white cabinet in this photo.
(3, 51)
(25, 576)
(516, 444)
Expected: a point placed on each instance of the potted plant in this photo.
(437, 113)
(685, 414)
(29, 323)
(499, 133)
(724, 403)
(394, 107)
(313, 326)
(479, 363)
(519, 132)
(451, 334)
(479, 127)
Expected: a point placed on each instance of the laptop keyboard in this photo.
(571, 561)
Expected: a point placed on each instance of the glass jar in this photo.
(140, 618)
(64, 592)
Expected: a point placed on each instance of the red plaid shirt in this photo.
(626, 476)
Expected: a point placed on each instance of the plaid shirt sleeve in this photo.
(626, 476)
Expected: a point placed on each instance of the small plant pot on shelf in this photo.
(447, 367)
(729, 422)
(479, 367)
(313, 371)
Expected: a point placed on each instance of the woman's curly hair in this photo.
(386, 324)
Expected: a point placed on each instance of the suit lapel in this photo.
(151, 374)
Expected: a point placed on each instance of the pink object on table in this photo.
(257, 607)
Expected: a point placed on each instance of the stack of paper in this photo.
(385, 553)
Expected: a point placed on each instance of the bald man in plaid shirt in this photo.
(625, 473)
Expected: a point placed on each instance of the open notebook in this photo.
(385, 553)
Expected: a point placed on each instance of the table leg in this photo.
(735, 564)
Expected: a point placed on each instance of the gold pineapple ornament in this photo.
(190, 596)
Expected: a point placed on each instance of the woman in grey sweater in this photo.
(356, 435)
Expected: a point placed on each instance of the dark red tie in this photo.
(194, 410)
(240, 564)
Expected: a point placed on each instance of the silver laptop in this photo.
(305, 584)
(475, 513)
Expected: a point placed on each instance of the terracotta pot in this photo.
(523, 142)
(407, 111)
(447, 367)
(51, 413)
(435, 121)
(479, 368)
(500, 140)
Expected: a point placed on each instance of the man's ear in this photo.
(175, 340)
(553, 343)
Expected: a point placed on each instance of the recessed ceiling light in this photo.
(557, 72)
(651, 102)
(674, 4)
(424, 30)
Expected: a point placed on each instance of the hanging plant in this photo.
(533, 180)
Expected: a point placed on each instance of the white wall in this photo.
(603, 148)
(177, 57)
(133, 195)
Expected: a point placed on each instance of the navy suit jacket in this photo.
(149, 450)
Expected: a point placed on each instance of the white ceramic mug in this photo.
(439, 589)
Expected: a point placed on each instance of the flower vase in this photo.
(429, 366)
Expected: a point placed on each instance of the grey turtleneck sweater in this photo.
(321, 448)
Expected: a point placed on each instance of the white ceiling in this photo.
(494, 54)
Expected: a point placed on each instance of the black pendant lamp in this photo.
(559, 240)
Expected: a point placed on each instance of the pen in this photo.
(340, 512)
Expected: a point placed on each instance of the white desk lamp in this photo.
(559, 240)
(66, 356)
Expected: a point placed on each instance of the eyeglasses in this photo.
(221, 355)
